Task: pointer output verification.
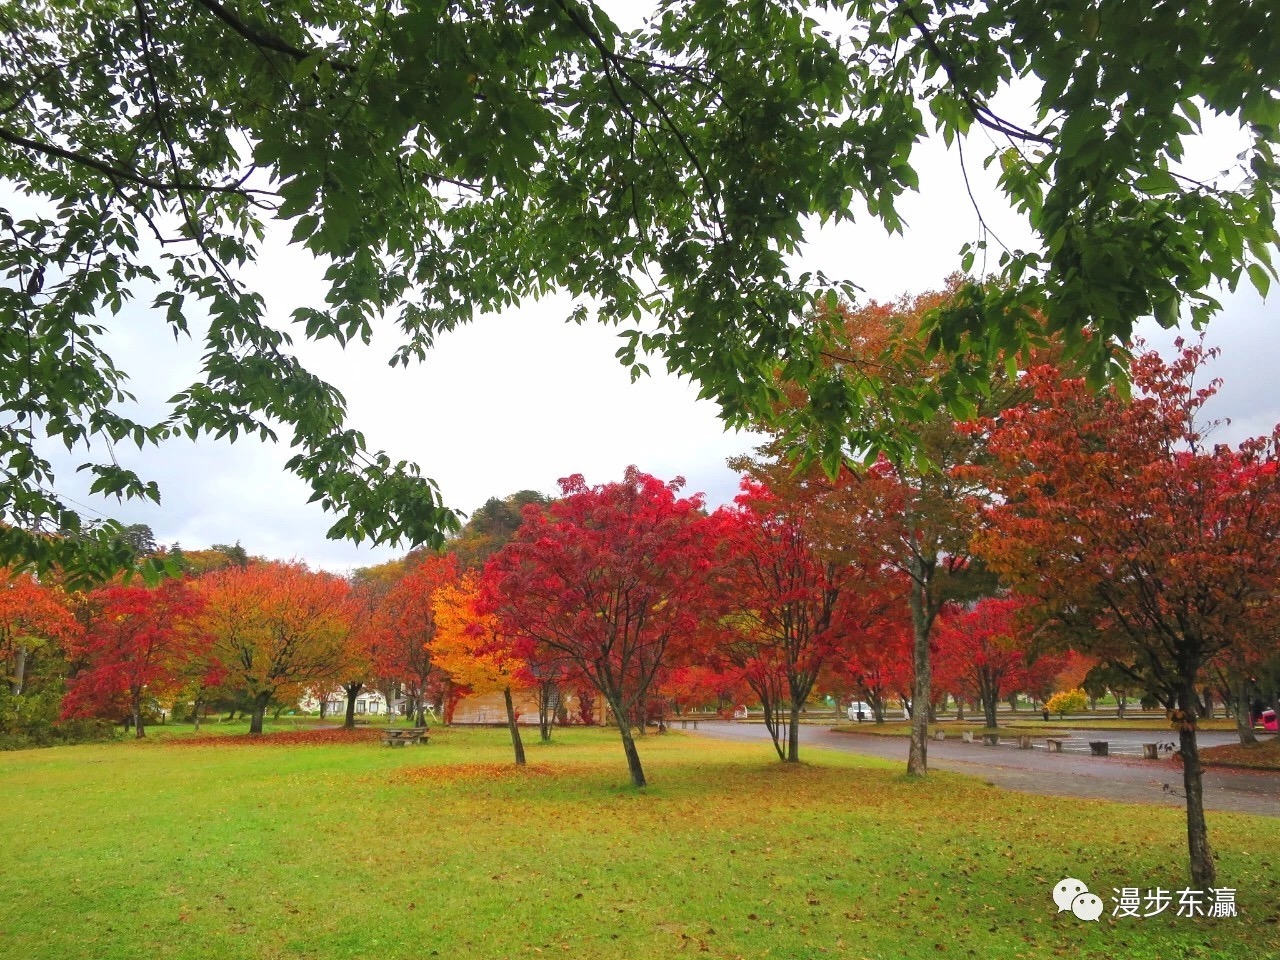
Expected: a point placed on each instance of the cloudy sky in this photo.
(518, 400)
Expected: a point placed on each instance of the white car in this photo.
(863, 708)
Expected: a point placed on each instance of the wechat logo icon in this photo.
(1071, 894)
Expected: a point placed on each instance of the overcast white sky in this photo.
(518, 400)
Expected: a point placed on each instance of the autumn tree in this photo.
(788, 578)
(701, 685)
(471, 647)
(877, 661)
(1104, 678)
(31, 615)
(1148, 548)
(405, 622)
(138, 643)
(275, 628)
(609, 576)
(914, 513)
(987, 646)
(487, 531)
(536, 146)
(200, 679)
(360, 646)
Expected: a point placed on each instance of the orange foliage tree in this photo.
(276, 628)
(915, 510)
(31, 614)
(1147, 550)
(472, 649)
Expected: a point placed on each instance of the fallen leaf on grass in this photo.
(290, 738)
(469, 773)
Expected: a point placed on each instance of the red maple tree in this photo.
(984, 648)
(610, 577)
(788, 589)
(1142, 546)
(405, 628)
(137, 645)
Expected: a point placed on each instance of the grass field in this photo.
(214, 849)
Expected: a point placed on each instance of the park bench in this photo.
(991, 739)
(1024, 741)
(1055, 743)
(398, 738)
(686, 722)
(940, 735)
(1151, 751)
(1099, 748)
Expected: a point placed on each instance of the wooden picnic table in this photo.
(400, 737)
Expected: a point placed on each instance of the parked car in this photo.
(1269, 721)
(861, 711)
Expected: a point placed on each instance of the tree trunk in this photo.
(195, 713)
(1242, 711)
(771, 724)
(628, 745)
(259, 711)
(545, 692)
(989, 709)
(19, 670)
(516, 743)
(918, 759)
(1208, 704)
(793, 735)
(352, 689)
(1203, 872)
(139, 732)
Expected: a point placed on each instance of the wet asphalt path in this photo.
(1074, 774)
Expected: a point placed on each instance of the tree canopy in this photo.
(1144, 546)
(444, 159)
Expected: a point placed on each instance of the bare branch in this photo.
(980, 111)
(266, 41)
(163, 187)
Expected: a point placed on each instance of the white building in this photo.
(369, 702)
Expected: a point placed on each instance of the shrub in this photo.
(1067, 701)
(31, 720)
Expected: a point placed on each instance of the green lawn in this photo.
(183, 849)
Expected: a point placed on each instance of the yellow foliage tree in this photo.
(470, 648)
(1067, 701)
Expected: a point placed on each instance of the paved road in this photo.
(1058, 775)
